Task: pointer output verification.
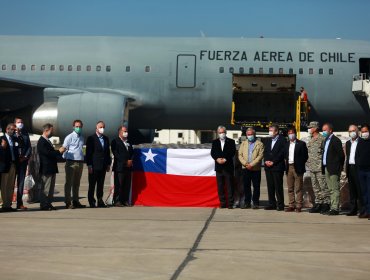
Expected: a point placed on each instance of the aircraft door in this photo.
(365, 66)
(186, 71)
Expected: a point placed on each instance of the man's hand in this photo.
(248, 166)
(62, 150)
(221, 160)
(90, 170)
(268, 163)
(108, 168)
(4, 144)
(129, 163)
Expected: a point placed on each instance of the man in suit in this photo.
(274, 168)
(48, 167)
(9, 162)
(296, 155)
(98, 161)
(122, 165)
(352, 171)
(332, 165)
(250, 156)
(363, 166)
(223, 152)
(23, 152)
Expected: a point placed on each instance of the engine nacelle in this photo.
(88, 107)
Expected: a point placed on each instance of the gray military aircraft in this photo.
(182, 83)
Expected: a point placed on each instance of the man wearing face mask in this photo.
(314, 163)
(274, 168)
(296, 155)
(74, 157)
(122, 165)
(48, 167)
(332, 166)
(250, 156)
(223, 151)
(8, 167)
(23, 151)
(352, 172)
(363, 166)
(98, 161)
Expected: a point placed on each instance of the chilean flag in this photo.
(174, 177)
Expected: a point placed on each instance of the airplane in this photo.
(162, 83)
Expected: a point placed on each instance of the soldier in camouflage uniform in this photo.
(314, 163)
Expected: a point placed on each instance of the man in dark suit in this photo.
(332, 165)
(223, 152)
(9, 162)
(23, 152)
(122, 166)
(352, 171)
(296, 155)
(48, 167)
(98, 161)
(274, 168)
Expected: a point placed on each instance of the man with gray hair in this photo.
(223, 152)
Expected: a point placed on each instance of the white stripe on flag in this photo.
(190, 162)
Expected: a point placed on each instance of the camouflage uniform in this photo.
(314, 164)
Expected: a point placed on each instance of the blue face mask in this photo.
(325, 134)
(250, 138)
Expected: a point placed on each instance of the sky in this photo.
(346, 19)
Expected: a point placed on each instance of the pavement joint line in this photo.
(284, 251)
(190, 255)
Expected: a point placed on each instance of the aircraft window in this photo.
(251, 70)
(291, 71)
(108, 68)
(271, 70)
(98, 68)
(52, 67)
(231, 69)
(281, 71)
(241, 70)
(331, 71)
(147, 68)
(310, 71)
(321, 71)
(3, 67)
(221, 70)
(79, 67)
(179, 135)
(88, 68)
(61, 68)
(70, 67)
(43, 67)
(300, 70)
(261, 70)
(128, 68)
(14, 67)
(33, 67)
(23, 67)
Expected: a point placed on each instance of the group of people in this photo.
(15, 151)
(323, 154)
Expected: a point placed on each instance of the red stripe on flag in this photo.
(154, 189)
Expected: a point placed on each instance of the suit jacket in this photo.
(121, 155)
(5, 155)
(48, 157)
(97, 157)
(24, 144)
(257, 154)
(276, 155)
(228, 153)
(300, 157)
(348, 152)
(334, 156)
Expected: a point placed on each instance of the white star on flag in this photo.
(149, 156)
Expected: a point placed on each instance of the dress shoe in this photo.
(316, 208)
(246, 206)
(118, 204)
(222, 206)
(298, 210)
(52, 207)
(290, 209)
(92, 205)
(332, 212)
(256, 206)
(77, 204)
(45, 208)
(102, 205)
(270, 207)
(22, 207)
(280, 209)
(8, 209)
(324, 208)
(70, 206)
(364, 216)
(126, 204)
(352, 213)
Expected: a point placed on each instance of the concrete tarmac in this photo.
(180, 243)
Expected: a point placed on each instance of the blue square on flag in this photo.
(150, 160)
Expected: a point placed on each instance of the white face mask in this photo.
(309, 131)
(365, 135)
(291, 136)
(125, 134)
(353, 134)
(101, 130)
(19, 125)
(222, 136)
(271, 133)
